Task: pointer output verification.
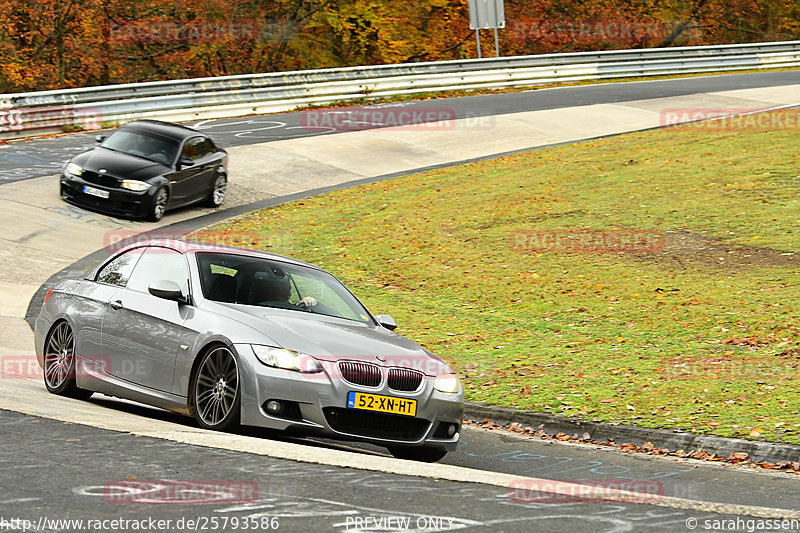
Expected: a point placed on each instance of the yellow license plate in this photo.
(383, 404)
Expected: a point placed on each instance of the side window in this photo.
(194, 148)
(119, 270)
(159, 264)
(207, 148)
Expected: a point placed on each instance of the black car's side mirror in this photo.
(386, 321)
(184, 161)
(167, 290)
(100, 138)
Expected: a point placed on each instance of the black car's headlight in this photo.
(448, 383)
(74, 169)
(135, 185)
(287, 359)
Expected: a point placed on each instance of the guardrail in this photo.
(24, 114)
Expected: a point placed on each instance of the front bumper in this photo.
(317, 404)
(119, 202)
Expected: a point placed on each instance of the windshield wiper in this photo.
(112, 149)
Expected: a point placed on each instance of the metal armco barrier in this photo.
(24, 114)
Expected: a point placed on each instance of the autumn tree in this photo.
(48, 44)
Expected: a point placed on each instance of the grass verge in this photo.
(698, 330)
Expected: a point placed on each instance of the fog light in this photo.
(451, 430)
(274, 407)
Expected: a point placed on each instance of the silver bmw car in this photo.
(235, 336)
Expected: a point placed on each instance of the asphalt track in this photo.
(58, 476)
(25, 159)
(80, 482)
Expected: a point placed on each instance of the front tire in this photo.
(217, 194)
(159, 205)
(216, 390)
(59, 363)
(425, 455)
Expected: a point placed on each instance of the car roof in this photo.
(192, 247)
(165, 129)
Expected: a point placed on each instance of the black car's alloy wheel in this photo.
(59, 363)
(159, 206)
(216, 392)
(217, 194)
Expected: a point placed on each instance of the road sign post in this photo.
(485, 14)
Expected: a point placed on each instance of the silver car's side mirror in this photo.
(386, 321)
(100, 138)
(167, 290)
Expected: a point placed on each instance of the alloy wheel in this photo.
(59, 357)
(216, 388)
(218, 194)
(160, 204)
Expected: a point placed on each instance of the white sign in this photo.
(485, 14)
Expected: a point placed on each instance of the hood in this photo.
(330, 339)
(119, 165)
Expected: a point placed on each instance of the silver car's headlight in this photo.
(135, 185)
(74, 169)
(287, 359)
(447, 383)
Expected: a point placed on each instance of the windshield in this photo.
(247, 280)
(142, 144)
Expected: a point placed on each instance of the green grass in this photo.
(596, 335)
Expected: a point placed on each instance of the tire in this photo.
(217, 194)
(159, 205)
(425, 455)
(216, 392)
(59, 363)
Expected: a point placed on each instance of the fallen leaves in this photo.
(738, 457)
(734, 458)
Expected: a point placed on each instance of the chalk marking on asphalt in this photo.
(32, 399)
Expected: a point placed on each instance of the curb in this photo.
(620, 434)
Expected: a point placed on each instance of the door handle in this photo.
(115, 305)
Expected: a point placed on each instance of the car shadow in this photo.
(146, 411)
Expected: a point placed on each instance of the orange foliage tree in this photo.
(46, 44)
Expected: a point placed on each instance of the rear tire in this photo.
(425, 455)
(217, 194)
(59, 363)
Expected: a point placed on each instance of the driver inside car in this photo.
(275, 291)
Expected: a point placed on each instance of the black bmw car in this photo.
(145, 168)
